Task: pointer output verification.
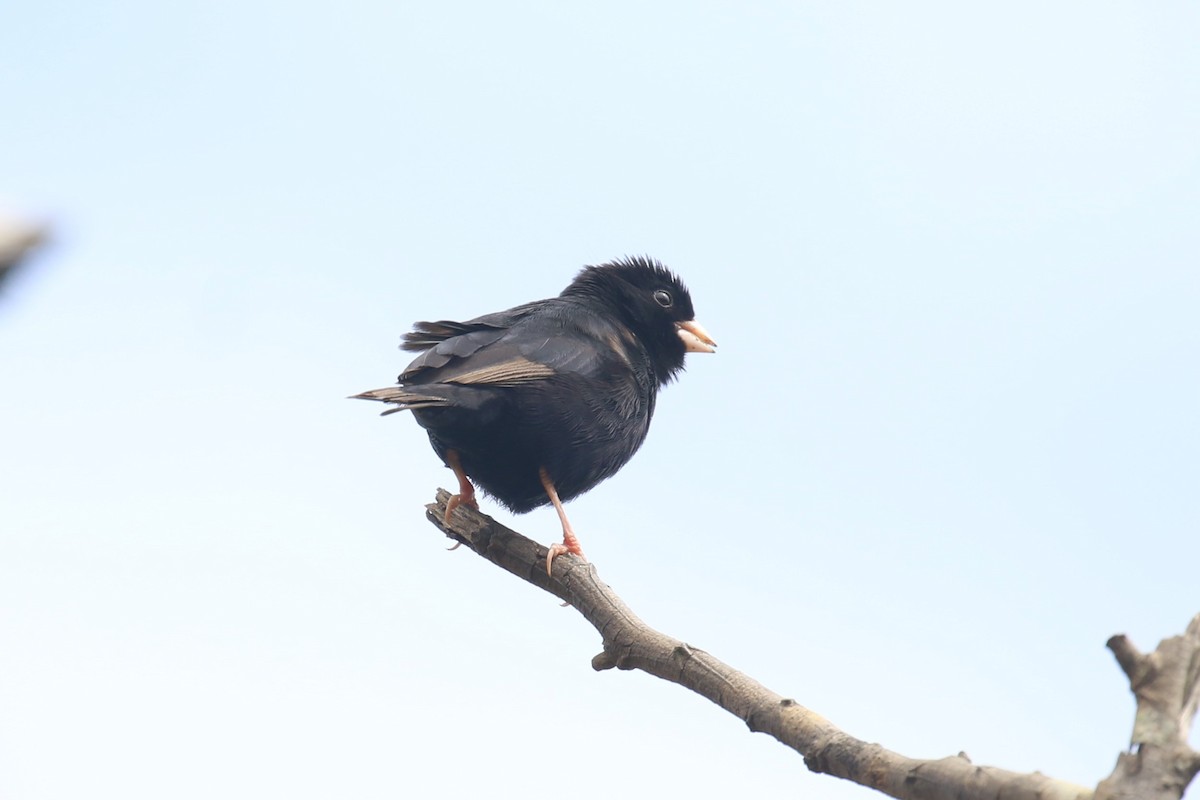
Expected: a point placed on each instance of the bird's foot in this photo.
(466, 490)
(466, 498)
(569, 545)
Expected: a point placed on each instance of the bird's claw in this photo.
(457, 500)
(560, 548)
(555, 551)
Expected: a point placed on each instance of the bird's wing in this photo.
(522, 345)
(425, 335)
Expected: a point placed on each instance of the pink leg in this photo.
(570, 543)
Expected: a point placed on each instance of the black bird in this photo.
(539, 403)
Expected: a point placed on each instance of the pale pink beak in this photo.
(695, 338)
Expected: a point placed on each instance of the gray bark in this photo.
(1166, 683)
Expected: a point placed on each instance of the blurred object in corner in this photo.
(17, 238)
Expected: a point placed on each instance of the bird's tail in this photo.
(402, 399)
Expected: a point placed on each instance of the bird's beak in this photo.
(695, 338)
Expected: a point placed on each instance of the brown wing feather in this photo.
(506, 373)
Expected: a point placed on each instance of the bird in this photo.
(540, 403)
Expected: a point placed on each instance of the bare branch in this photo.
(1128, 656)
(1166, 684)
(631, 644)
(17, 238)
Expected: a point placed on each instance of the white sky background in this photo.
(947, 448)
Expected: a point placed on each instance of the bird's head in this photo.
(652, 303)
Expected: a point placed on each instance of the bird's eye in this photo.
(663, 298)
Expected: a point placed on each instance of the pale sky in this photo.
(949, 444)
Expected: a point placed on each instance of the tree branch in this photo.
(1166, 684)
(631, 644)
(17, 238)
